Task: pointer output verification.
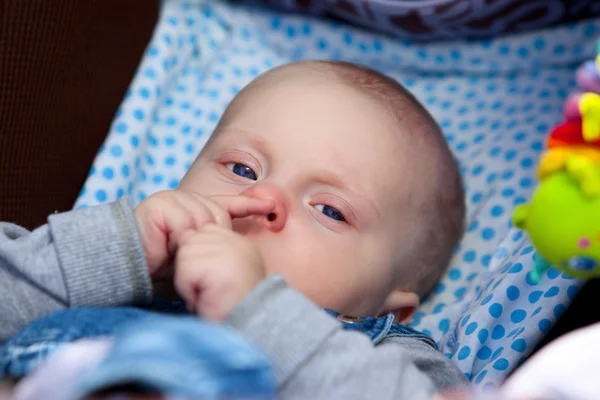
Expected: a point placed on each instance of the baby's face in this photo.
(332, 161)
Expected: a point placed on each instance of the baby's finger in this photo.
(202, 210)
(243, 206)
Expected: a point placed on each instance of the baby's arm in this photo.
(313, 357)
(90, 257)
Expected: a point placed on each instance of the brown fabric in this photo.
(64, 68)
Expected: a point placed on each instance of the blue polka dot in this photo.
(444, 325)
(526, 182)
(552, 273)
(487, 234)
(439, 288)
(138, 114)
(454, 274)
(487, 299)
(153, 141)
(498, 332)
(497, 211)
(553, 291)
(478, 169)
(469, 256)
(535, 296)
(527, 250)
(480, 376)
(149, 159)
(125, 170)
(170, 161)
(545, 325)
(135, 141)
(121, 127)
(572, 292)
(559, 49)
(471, 328)
(501, 364)
(173, 184)
(485, 260)
(495, 310)
(464, 353)
(484, 353)
(108, 173)
(171, 121)
(116, 150)
(518, 315)
(144, 93)
(497, 353)
(539, 43)
(512, 292)
(559, 310)
(460, 292)
(516, 268)
(482, 335)
(465, 320)
(519, 345)
(472, 276)
(438, 308)
(101, 195)
(535, 312)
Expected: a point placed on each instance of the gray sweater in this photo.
(94, 257)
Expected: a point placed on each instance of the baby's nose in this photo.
(276, 220)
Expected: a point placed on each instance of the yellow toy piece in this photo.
(589, 107)
(554, 159)
(586, 173)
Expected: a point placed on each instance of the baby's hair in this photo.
(443, 216)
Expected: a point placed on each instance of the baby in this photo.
(361, 201)
(324, 186)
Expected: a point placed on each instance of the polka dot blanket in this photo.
(495, 100)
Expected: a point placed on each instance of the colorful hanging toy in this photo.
(563, 217)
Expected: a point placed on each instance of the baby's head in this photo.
(369, 200)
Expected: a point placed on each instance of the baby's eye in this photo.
(330, 212)
(242, 170)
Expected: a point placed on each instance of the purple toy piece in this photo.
(587, 77)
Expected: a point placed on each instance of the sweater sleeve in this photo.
(313, 356)
(90, 257)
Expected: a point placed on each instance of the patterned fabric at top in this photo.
(447, 19)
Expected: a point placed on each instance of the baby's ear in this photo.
(402, 304)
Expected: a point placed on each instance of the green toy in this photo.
(563, 220)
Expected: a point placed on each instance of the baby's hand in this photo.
(164, 217)
(214, 270)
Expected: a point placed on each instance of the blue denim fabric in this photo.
(162, 349)
(184, 357)
(382, 328)
(28, 348)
